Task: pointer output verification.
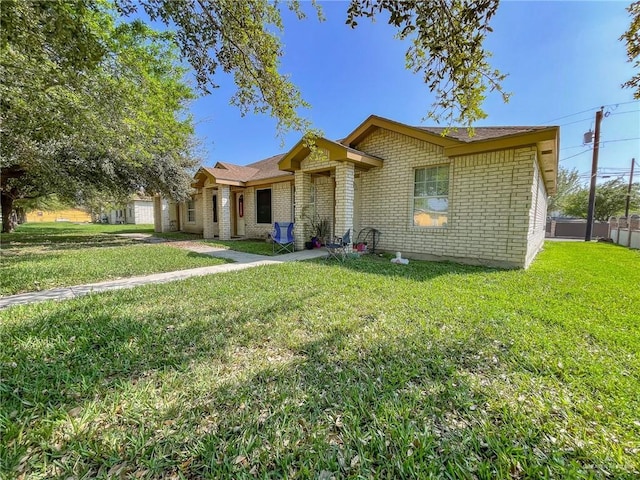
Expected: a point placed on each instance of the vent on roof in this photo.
(547, 152)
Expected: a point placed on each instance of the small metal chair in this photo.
(340, 247)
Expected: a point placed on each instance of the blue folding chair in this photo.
(340, 247)
(282, 237)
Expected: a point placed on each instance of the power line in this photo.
(567, 158)
(604, 141)
(591, 109)
(621, 140)
(577, 121)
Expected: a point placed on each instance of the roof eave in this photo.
(373, 122)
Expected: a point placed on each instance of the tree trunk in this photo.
(8, 215)
(21, 215)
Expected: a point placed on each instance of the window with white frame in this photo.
(263, 205)
(431, 196)
(191, 211)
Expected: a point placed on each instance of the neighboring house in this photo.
(480, 199)
(67, 215)
(137, 211)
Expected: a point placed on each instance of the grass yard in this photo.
(43, 256)
(323, 370)
(259, 247)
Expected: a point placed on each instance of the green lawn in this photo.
(43, 256)
(319, 370)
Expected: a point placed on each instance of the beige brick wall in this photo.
(302, 231)
(187, 226)
(537, 215)
(325, 194)
(490, 198)
(281, 208)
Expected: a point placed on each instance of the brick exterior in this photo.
(345, 176)
(497, 201)
(537, 215)
(161, 219)
(224, 212)
(302, 229)
(490, 198)
(209, 229)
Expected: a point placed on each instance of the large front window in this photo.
(431, 196)
(263, 205)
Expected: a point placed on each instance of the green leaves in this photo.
(90, 104)
(632, 40)
(447, 50)
(610, 200)
(242, 39)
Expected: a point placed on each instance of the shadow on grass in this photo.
(66, 241)
(395, 406)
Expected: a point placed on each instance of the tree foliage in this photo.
(447, 49)
(241, 38)
(89, 105)
(632, 40)
(568, 182)
(610, 200)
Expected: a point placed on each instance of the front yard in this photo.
(322, 370)
(42, 256)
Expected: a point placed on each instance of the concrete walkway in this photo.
(241, 261)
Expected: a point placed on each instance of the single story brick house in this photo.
(479, 199)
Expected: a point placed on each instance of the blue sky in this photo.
(562, 58)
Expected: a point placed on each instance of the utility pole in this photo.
(626, 207)
(594, 172)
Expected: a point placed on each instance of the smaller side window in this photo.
(191, 211)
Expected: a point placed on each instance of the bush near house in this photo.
(318, 370)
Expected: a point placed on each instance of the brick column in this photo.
(224, 216)
(302, 229)
(345, 176)
(165, 221)
(207, 213)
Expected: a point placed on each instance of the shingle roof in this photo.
(480, 133)
(232, 172)
(267, 168)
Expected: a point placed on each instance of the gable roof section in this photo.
(230, 174)
(457, 142)
(337, 152)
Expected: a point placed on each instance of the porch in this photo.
(328, 180)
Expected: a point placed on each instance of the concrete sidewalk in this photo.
(241, 261)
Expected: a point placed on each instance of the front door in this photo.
(240, 214)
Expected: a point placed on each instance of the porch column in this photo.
(162, 220)
(225, 212)
(157, 213)
(207, 213)
(302, 229)
(345, 176)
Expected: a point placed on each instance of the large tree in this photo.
(88, 104)
(610, 200)
(568, 183)
(445, 36)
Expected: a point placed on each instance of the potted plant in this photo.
(320, 229)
